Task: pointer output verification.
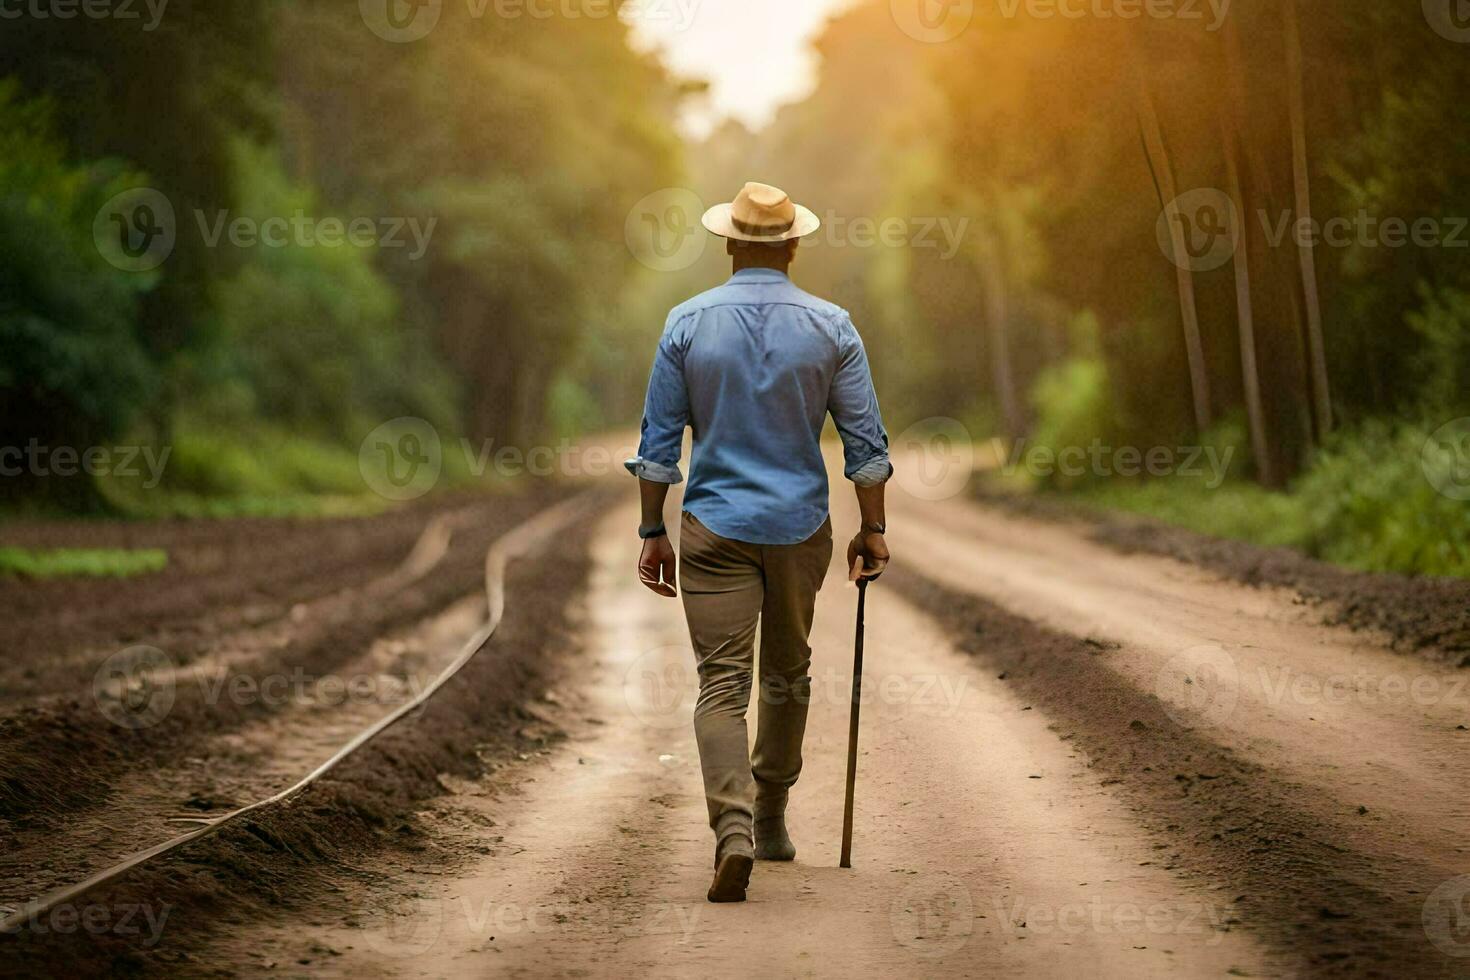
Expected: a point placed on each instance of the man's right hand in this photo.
(867, 556)
(658, 560)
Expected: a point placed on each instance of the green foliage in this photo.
(527, 263)
(314, 326)
(1443, 358)
(261, 111)
(81, 562)
(250, 469)
(1073, 403)
(1366, 502)
(166, 94)
(67, 329)
(73, 369)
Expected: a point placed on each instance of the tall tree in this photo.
(1158, 158)
(1301, 184)
(1231, 125)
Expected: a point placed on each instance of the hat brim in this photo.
(720, 221)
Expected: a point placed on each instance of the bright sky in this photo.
(755, 54)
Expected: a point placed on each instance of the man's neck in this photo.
(781, 267)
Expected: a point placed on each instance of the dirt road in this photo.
(982, 848)
(1074, 763)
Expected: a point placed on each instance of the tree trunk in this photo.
(1250, 376)
(1153, 141)
(997, 314)
(1231, 118)
(1316, 352)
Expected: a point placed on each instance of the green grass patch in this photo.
(1369, 502)
(81, 562)
(221, 471)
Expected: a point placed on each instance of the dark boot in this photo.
(733, 861)
(772, 843)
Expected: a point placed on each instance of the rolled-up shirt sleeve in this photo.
(665, 414)
(853, 403)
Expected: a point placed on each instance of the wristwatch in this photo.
(875, 527)
(656, 531)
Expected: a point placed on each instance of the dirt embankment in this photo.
(1430, 616)
(1290, 852)
(63, 752)
(1425, 615)
(308, 858)
(222, 575)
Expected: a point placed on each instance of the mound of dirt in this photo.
(59, 754)
(1429, 616)
(316, 856)
(1425, 615)
(1286, 852)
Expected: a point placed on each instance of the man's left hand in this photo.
(867, 556)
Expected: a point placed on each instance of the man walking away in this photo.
(754, 366)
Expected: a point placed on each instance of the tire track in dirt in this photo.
(223, 576)
(64, 754)
(1302, 880)
(1316, 705)
(359, 825)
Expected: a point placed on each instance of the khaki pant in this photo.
(727, 587)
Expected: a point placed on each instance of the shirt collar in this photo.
(759, 275)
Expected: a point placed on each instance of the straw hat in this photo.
(761, 213)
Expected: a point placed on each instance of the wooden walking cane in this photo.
(852, 727)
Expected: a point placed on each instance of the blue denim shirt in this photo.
(754, 367)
